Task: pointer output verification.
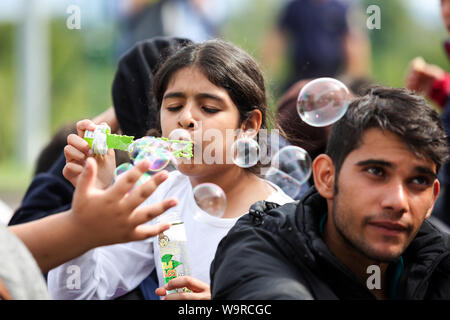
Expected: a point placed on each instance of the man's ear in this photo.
(324, 176)
(436, 189)
(252, 124)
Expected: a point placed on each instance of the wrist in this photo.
(85, 239)
(440, 89)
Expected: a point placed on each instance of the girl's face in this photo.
(193, 103)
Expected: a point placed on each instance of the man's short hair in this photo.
(397, 110)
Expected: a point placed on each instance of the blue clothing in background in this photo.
(316, 31)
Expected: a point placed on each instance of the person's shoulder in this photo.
(279, 196)
(18, 270)
(268, 216)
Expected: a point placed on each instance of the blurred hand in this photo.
(77, 151)
(200, 290)
(420, 75)
(113, 215)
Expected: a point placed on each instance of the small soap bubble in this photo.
(124, 167)
(291, 167)
(210, 198)
(323, 101)
(245, 152)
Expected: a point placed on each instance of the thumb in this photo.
(86, 180)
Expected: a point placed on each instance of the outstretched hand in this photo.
(113, 215)
(421, 75)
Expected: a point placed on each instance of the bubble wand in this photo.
(101, 139)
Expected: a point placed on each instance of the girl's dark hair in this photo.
(226, 66)
(397, 110)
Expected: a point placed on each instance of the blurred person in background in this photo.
(323, 38)
(433, 82)
(198, 20)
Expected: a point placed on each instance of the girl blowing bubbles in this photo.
(212, 85)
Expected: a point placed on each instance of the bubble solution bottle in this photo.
(173, 249)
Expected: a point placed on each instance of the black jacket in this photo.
(278, 253)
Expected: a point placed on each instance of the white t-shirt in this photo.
(110, 271)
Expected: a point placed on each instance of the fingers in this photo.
(74, 155)
(141, 193)
(71, 171)
(77, 143)
(148, 231)
(84, 125)
(86, 180)
(201, 290)
(161, 291)
(188, 282)
(128, 179)
(147, 213)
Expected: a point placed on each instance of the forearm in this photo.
(52, 240)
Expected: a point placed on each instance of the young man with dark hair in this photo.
(361, 232)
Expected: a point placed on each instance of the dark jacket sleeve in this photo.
(249, 265)
(47, 194)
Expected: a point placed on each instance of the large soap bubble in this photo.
(156, 151)
(245, 152)
(159, 159)
(323, 101)
(210, 198)
(291, 167)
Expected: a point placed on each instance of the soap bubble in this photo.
(158, 158)
(124, 167)
(291, 167)
(323, 101)
(245, 152)
(210, 198)
(179, 134)
(146, 144)
(144, 178)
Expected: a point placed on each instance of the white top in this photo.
(110, 271)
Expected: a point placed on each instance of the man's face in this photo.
(384, 194)
(445, 11)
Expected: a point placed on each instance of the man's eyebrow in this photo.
(419, 169)
(426, 171)
(375, 162)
